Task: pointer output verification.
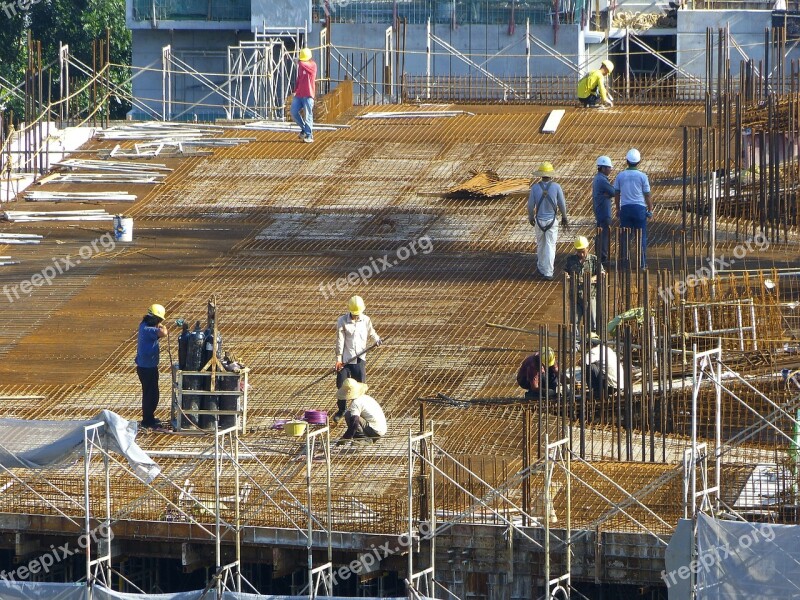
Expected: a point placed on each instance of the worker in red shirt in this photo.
(304, 95)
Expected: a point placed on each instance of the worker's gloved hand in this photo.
(339, 365)
(378, 342)
(565, 223)
(649, 214)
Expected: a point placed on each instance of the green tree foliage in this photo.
(76, 23)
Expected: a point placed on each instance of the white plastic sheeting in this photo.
(47, 444)
(71, 591)
(752, 561)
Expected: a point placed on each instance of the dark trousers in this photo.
(602, 241)
(357, 427)
(590, 100)
(357, 371)
(597, 380)
(149, 378)
(633, 217)
(592, 306)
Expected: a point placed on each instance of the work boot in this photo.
(338, 416)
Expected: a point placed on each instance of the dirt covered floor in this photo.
(284, 233)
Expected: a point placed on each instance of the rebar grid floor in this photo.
(270, 227)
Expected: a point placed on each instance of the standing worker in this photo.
(534, 376)
(592, 87)
(352, 331)
(304, 89)
(364, 417)
(602, 194)
(634, 206)
(151, 329)
(546, 199)
(579, 264)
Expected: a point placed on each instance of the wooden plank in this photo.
(553, 119)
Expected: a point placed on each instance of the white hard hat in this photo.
(604, 161)
(633, 156)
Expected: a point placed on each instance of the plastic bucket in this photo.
(295, 428)
(123, 228)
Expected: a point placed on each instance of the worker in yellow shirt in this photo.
(592, 88)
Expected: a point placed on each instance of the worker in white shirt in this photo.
(610, 375)
(364, 417)
(353, 329)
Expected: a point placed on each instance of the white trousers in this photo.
(546, 248)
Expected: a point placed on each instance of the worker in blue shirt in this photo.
(151, 330)
(634, 206)
(602, 194)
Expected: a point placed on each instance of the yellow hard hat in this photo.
(548, 356)
(581, 243)
(356, 305)
(608, 65)
(545, 170)
(305, 54)
(156, 310)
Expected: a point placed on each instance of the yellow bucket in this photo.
(295, 428)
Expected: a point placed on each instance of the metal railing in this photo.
(453, 12)
(544, 90)
(191, 10)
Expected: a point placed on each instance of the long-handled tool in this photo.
(521, 330)
(332, 370)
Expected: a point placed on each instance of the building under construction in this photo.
(680, 482)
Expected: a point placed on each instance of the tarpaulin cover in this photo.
(73, 591)
(752, 561)
(48, 444)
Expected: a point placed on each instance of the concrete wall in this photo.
(746, 27)
(501, 54)
(204, 50)
(505, 53)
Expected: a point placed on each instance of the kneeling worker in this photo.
(532, 370)
(364, 417)
(592, 87)
(605, 372)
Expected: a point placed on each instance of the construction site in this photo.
(681, 482)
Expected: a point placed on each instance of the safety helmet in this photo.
(633, 156)
(581, 243)
(604, 161)
(608, 65)
(156, 310)
(356, 305)
(548, 356)
(545, 170)
(305, 54)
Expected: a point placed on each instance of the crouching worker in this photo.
(539, 372)
(606, 373)
(364, 416)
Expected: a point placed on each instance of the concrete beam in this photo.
(194, 557)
